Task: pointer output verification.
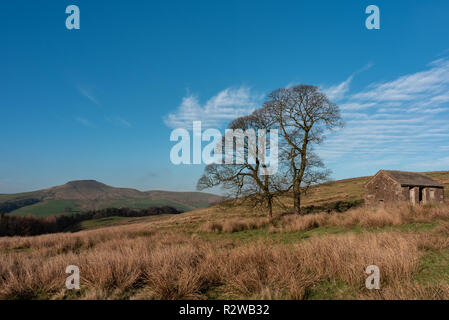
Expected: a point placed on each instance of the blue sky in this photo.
(100, 102)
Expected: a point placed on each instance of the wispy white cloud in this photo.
(356, 105)
(119, 121)
(114, 120)
(84, 122)
(421, 86)
(338, 92)
(432, 164)
(89, 95)
(399, 123)
(216, 111)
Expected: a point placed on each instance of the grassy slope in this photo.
(7, 197)
(48, 208)
(145, 203)
(433, 261)
(443, 178)
(342, 190)
(52, 207)
(182, 201)
(116, 221)
(353, 189)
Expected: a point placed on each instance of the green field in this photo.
(52, 207)
(145, 203)
(114, 221)
(87, 195)
(49, 208)
(14, 196)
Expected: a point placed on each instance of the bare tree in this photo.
(248, 180)
(303, 115)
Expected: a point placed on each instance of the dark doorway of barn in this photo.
(420, 195)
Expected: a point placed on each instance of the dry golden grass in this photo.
(393, 215)
(151, 261)
(234, 225)
(173, 266)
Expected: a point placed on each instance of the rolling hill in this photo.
(236, 252)
(82, 195)
(76, 196)
(353, 189)
(338, 195)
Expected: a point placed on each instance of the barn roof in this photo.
(411, 179)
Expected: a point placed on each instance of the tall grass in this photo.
(174, 266)
(234, 225)
(393, 215)
(140, 262)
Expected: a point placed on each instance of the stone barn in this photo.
(393, 186)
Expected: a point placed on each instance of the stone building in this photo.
(393, 186)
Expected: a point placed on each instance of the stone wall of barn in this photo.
(433, 195)
(406, 193)
(413, 194)
(382, 189)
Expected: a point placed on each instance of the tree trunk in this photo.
(298, 203)
(297, 198)
(300, 175)
(270, 207)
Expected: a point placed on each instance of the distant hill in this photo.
(77, 196)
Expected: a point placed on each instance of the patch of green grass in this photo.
(48, 208)
(115, 221)
(295, 236)
(24, 249)
(434, 267)
(53, 207)
(413, 227)
(103, 222)
(144, 203)
(332, 290)
(14, 196)
(265, 234)
(216, 293)
(244, 236)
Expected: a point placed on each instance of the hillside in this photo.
(235, 252)
(345, 193)
(76, 196)
(339, 195)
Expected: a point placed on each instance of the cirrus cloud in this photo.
(401, 123)
(225, 106)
